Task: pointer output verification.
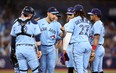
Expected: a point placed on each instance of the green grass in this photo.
(56, 71)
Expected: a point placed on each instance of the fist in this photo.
(62, 29)
(39, 53)
(92, 56)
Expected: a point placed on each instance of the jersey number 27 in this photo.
(84, 29)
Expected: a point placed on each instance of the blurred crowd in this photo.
(6, 22)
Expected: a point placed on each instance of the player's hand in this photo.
(63, 32)
(62, 29)
(39, 53)
(92, 56)
(59, 44)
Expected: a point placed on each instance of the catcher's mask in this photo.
(28, 10)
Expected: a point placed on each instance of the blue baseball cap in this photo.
(53, 10)
(95, 11)
(78, 8)
(70, 10)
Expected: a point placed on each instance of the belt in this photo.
(47, 45)
(70, 43)
(99, 44)
(25, 44)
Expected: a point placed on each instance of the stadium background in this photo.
(11, 9)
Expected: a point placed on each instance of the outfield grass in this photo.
(56, 71)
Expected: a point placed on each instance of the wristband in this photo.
(94, 47)
(39, 49)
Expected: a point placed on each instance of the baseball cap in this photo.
(53, 10)
(70, 10)
(95, 11)
(78, 8)
(58, 15)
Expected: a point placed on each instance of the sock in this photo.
(70, 69)
(101, 72)
(16, 69)
(95, 72)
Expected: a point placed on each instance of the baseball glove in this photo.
(64, 57)
(92, 56)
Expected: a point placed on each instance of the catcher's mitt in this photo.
(64, 57)
(92, 56)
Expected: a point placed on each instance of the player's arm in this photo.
(13, 58)
(95, 42)
(94, 46)
(66, 40)
(62, 35)
(38, 43)
(97, 30)
(13, 39)
(59, 44)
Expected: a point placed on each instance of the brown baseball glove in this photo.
(92, 56)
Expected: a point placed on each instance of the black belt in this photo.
(70, 43)
(25, 44)
(47, 45)
(99, 44)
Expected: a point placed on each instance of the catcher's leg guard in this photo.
(102, 72)
(37, 70)
(23, 71)
(16, 69)
(95, 72)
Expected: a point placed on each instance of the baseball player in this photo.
(77, 35)
(50, 31)
(70, 65)
(97, 40)
(24, 33)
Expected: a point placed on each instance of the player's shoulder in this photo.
(98, 23)
(41, 20)
(33, 21)
(74, 19)
(15, 23)
(57, 22)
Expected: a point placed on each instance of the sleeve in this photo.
(97, 28)
(13, 42)
(65, 26)
(66, 40)
(70, 26)
(37, 29)
(12, 33)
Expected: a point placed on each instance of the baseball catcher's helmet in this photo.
(28, 10)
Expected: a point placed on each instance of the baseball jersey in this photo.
(97, 28)
(29, 28)
(79, 29)
(65, 26)
(49, 31)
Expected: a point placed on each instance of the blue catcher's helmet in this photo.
(28, 10)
